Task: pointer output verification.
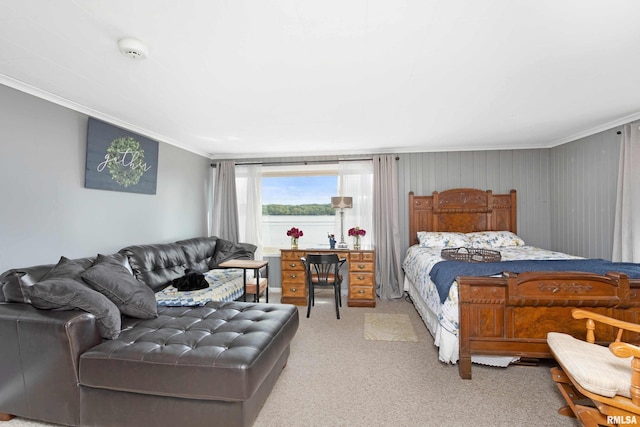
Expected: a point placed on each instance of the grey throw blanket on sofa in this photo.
(444, 273)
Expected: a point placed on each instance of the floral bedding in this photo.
(224, 285)
(419, 261)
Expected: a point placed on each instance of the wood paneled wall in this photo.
(566, 194)
(526, 171)
(584, 175)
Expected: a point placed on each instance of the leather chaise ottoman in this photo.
(209, 365)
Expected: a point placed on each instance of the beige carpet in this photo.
(336, 377)
(388, 327)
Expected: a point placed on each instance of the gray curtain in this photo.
(626, 233)
(389, 276)
(225, 202)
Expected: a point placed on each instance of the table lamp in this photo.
(341, 203)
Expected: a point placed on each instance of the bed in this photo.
(502, 318)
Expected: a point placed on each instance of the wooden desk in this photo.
(257, 285)
(361, 266)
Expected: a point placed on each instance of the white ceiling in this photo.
(266, 78)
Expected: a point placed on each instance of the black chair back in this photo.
(323, 269)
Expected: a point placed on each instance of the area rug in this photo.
(388, 327)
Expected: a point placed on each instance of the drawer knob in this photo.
(361, 266)
(293, 264)
(293, 289)
(293, 276)
(360, 277)
(360, 291)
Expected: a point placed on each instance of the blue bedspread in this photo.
(444, 273)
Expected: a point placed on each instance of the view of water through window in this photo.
(298, 201)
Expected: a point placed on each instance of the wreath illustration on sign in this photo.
(127, 168)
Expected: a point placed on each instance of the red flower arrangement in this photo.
(295, 233)
(357, 231)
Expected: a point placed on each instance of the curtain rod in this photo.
(301, 162)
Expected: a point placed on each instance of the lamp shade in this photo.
(341, 202)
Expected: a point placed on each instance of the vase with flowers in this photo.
(357, 233)
(295, 234)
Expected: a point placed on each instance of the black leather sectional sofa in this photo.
(141, 365)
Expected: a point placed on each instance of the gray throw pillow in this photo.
(112, 279)
(62, 289)
(226, 250)
(66, 293)
(64, 268)
(117, 258)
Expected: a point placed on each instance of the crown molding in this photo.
(603, 127)
(63, 102)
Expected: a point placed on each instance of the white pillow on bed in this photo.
(494, 239)
(442, 239)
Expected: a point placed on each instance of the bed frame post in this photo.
(514, 212)
(412, 234)
(464, 345)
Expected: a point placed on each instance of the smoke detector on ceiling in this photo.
(133, 48)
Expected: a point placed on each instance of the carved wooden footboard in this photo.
(511, 315)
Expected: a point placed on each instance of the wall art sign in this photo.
(120, 160)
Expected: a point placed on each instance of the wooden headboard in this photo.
(463, 210)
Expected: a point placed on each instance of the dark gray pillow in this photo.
(117, 258)
(226, 250)
(66, 293)
(64, 268)
(112, 279)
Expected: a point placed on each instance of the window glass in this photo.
(298, 196)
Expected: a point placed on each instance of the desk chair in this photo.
(323, 271)
(609, 377)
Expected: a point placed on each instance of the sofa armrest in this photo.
(40, 353)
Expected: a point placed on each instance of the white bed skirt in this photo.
(447, 342)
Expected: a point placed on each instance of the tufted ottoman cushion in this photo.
(220, 351)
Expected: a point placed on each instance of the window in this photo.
(298, 196)
(313, 184)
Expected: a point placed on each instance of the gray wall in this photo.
(46, 212)
(584, 176)
(566, 194)
(526, 171)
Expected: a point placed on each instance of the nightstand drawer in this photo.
(361, 292)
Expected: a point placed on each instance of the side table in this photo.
(257, 285)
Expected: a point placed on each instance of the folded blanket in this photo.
(444, 273)
(225, 284)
